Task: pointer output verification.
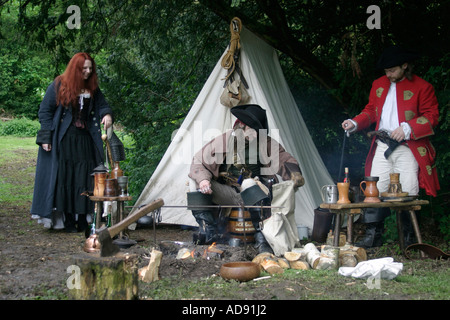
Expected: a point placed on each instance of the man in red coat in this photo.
(406, 107)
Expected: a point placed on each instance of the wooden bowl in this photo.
(240, 270)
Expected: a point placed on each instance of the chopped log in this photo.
(332, 253)
(312, 254)
(284, 263)
(348, 259)
(260, 257)
(151, 272)
(342, 239)
(271, 266)
(326, 263)
(361, 254)
(184, 253)
(299, 265)
(105, 278)
(292, 256)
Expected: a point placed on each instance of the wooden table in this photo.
(120, 206)
(350, 209)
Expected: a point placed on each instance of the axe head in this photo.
(107, 247)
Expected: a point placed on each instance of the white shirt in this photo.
(389, 114)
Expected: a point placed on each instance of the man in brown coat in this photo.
(245, 152)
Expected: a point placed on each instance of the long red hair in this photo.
(71, 81)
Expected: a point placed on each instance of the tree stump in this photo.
(104, 278)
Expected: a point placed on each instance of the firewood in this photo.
(348, 259)
(361, 254)
(260, 257)
(292, 256)
(299, 265)
(271, 266)
(326, 263)
(284, 263)
(312, 255)
(183, 253)
(151, 272)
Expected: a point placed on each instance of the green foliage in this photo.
(153, 58)
(19, 127)
(24, 72)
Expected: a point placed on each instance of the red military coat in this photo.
(417, 105)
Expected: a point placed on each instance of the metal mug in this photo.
(329, 194)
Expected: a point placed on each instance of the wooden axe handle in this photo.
(115, 229)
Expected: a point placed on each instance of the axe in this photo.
(105, 235)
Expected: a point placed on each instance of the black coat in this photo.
(55, 120)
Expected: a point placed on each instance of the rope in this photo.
(228, 61)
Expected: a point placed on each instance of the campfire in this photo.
(211, 252)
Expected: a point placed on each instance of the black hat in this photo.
(252, 115)
(395, 56)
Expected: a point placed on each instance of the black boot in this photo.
(207, 230)
(261, 243)
(374, 220)
(373, 236)
(69, 223)
(409, 236)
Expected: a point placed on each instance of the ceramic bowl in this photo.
(240, 270)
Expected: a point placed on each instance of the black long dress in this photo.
(76, 163)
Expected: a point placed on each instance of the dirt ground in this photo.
(34, 261)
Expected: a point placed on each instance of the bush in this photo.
(22, 127)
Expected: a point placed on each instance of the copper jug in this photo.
(99, 183)
(111, 188)
(116, 171)
(371, 191)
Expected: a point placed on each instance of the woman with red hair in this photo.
(71, 146)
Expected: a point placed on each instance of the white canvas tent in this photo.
(208, 118)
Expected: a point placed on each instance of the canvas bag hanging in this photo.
(280, 229)
(235, 92)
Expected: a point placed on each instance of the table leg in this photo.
(337, 229)
(120, 209)
(350, 229)
(400, 230)
(416, 230)
(99, 214)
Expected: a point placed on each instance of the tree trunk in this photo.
(105, 278)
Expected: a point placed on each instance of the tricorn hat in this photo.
(396, 56)
(252, 115)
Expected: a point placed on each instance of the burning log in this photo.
(212, 252)
(185, 253)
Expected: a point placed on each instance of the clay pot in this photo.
(240, 270)
(394, 183)
(371, 191)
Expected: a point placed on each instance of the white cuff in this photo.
(406, 130)
(355, 126)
